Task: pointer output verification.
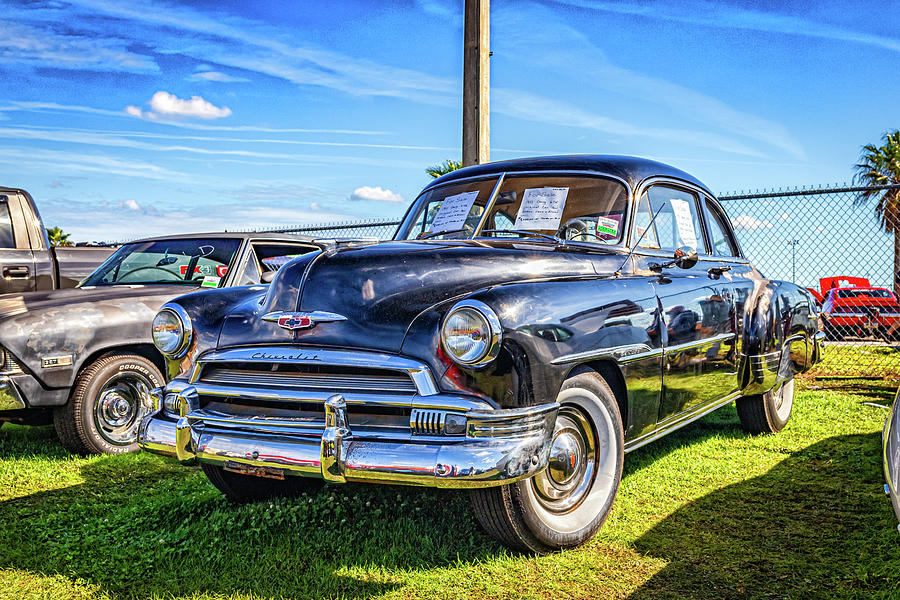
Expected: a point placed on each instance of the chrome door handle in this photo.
(716, 272)
(17, 272)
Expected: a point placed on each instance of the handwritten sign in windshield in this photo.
(541, 208)
(684, 222)
(453, 212)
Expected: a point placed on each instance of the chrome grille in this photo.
(316, 379)
(427, 422)
(10, 365)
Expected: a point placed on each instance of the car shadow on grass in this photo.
(141, 525)
(817, 525)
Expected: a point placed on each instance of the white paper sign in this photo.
(684, 221)
(453, 212)
(541, 208)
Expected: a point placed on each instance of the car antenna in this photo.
(618, 272)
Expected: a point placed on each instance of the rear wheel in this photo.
(769, 412)
(110, 397)
(249, 488)
(564, 505)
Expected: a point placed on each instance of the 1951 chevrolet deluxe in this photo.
(531, 322)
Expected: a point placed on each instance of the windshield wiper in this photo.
(526, 233)
(431, 234)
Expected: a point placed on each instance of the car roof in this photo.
(631, 169)
(241, 235)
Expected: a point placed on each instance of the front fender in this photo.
(209, 310)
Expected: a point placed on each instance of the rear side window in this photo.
(722, 243)
(6, 231)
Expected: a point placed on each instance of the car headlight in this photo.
(471, 333)
(172, 330)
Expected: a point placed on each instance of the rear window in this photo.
(871, 293)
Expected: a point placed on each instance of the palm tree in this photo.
(442, 169)
(880, 166)
(58, 237)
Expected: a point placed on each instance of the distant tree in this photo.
(880, 166)
(58, 237)
(448, 166)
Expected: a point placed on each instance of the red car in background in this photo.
(860, 310)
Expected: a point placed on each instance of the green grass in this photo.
(859, 361)
(708, 512)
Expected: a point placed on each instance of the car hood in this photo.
(380, 289)
(12, 305)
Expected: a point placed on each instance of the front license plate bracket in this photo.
(256, 471)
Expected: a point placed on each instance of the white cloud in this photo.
(748, 223)
(130, 204)
(216, 76)
(164, 104)
(376, 194)
(315, 206)
(784, 217)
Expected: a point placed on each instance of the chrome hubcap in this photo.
(564, 483)
(119, 407)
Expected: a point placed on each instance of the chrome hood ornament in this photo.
(301, 320)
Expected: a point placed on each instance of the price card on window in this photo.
(453, 212)
(684, 222)
(541, 208)
(608, 227)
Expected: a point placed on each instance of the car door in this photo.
(697, 303)
(16, 255)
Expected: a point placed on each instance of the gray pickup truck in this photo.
(27, 261)
(84, 358)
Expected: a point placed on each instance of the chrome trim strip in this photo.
(417, 371)
(398, 384)
(722, 337)
(841, 315)
(624, 353)
(679, 421)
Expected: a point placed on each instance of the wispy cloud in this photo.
(217, 76)
(596, 68)
(723, 15)
(55, 107)
(81, 163)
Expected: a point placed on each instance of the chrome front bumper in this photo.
(498, 447)
(10, 396)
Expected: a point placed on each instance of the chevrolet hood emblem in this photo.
(301, 320)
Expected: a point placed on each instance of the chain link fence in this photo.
(821, 238)
(827, 240)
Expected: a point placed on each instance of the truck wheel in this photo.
(769, 412)
(248, 488)
(564, 505)
(110, 397)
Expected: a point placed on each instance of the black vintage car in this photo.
(85, 355)
(531, 322)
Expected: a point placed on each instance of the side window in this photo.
(667, 219)
(6, 231)
(723, 245)
(251, 273)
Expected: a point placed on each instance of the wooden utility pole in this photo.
(476, 84)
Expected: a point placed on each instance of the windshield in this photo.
(195, 262)
(577, 208)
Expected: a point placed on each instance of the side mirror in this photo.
(685, 257)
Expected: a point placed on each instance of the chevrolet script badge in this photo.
(301, 320)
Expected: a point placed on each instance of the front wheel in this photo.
(564, 505)
(110, 397)
(769, 412)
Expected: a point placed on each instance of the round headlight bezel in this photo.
(187, 330)
(490, 319)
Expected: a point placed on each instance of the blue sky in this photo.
(131, 119)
